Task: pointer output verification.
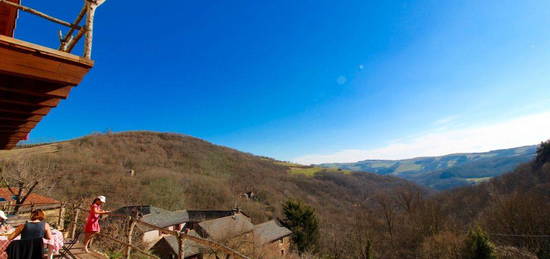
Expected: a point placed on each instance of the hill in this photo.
(181, 172)
(449, 171)
(512, 209)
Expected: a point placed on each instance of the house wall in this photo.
(243, 244)
(151, 237)
(279, 247)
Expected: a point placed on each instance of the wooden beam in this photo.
(59, 92)
(36, 49)
(18, 124)
(38, 111)
(36, 118)
(41, 14)
(11, 131)
(35, 103)
(13, 135)
(69, 34)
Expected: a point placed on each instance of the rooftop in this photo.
(269, 231)
(227, 227)
(6, 195)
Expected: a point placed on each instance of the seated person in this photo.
(32, 233)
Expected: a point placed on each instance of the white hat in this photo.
(3, 215)
(102, 198)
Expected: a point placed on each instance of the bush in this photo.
(478, 246)
(444, 245)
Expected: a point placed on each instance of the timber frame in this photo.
(34, 78)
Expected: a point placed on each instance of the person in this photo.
(92, 223)
(31, 244)
(36, 228)
(4, 227)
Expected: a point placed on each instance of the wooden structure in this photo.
(135, 220)
(34, 78)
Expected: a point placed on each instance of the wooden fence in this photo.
(78, 211)
(180, 236)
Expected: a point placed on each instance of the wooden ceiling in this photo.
(33, 80)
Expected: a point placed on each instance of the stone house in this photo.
(167, 248)
(233, 231)
(272, 239)
(180, 220)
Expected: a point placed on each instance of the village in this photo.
(206, 233)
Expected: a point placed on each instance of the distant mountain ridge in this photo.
(448, 171)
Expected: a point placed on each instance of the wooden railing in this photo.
(133, 220)
(8, 208)
(69, 41)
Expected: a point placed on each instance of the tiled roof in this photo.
(269, 231)
(33, 197)
(227, 227)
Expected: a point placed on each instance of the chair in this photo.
(65, 251)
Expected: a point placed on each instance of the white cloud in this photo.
(525, 130)
(446, 120)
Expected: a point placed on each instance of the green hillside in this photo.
(448, 171)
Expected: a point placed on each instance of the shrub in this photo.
(478, 245)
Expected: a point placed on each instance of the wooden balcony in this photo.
(33, 80)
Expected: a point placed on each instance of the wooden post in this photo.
(60, 221)
(75, 222)
(68, 36)
(91, 5)
(130, 233)
(181, 248)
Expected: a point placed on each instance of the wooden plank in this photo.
(30, 65)
(27, 130)
(4, 117)
(44, 51)
(35, 111)
(59, 92)
(53, 102)
(30, 124)
(13, 135)
(4, 131)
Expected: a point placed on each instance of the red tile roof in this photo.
(33, 197)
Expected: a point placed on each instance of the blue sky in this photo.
(312, 81)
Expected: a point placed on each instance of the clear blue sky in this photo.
(288, 78)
